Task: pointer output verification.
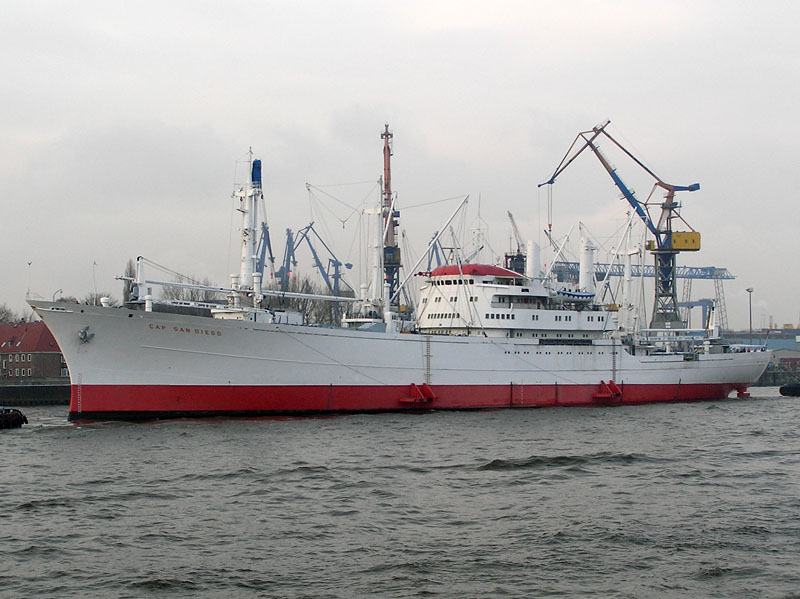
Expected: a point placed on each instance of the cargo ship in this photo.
(482, 336)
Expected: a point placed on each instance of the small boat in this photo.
(791, 390)
(12, 418)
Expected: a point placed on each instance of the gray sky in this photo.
(123, 121)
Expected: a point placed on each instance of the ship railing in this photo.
(192, 304)
(671, 335)
(742, 348)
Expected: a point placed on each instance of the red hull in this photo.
(159, 401)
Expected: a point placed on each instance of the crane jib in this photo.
(635, 204)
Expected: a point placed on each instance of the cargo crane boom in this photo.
(667, 243)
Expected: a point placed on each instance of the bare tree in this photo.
(93, 299)
(313, 311)
(130, 271)
(190, 295)
(7, 315)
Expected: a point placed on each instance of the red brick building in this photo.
(28, 351)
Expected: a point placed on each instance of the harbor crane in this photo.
(284, 273)
(515, 260)
(331, 273)
(667, 243)
(515, 229)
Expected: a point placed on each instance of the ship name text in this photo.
(186, 330)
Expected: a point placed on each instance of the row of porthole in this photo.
(547, 353)
(457, 282)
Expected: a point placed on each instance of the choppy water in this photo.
(684, 500)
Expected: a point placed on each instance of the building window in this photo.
(29, 371)
(29, 357)
(16, 372)
(64, 372)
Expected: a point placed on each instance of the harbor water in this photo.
(680, 500)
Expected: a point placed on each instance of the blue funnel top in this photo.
(255, 176)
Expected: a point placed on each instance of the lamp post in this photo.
(56, 293)
(750, 302)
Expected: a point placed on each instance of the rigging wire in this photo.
(434, 202)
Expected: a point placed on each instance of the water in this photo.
(683, 500)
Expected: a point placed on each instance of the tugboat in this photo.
(791, 390)
(12, 418)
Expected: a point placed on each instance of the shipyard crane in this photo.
(515, 260)
(264, 251)
(332, 279)
(289, 262)
(435, 251)
(515, 229)
(667, 243)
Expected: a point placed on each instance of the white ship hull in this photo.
(137, 364)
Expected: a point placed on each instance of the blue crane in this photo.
(264, 246)
(331, 274)
(667, 243)
(568, 271)
(289, 262)
(435, 251)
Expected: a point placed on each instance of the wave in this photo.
(566, 461)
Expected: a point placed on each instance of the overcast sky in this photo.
(122, 124)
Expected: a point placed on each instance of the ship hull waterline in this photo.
(146, 402)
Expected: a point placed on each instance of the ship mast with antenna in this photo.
(249, 194)
(391, 222)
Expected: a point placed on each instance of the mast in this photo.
(248, 206)
(391, 221)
